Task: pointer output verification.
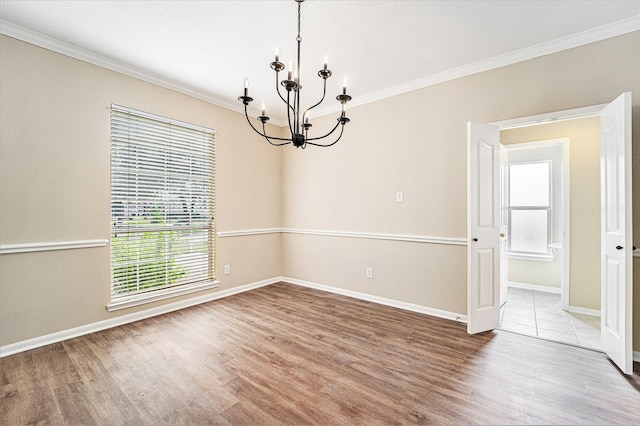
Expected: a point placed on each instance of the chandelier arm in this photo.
(289, 113)
(296, 111)
(322, 137)
(332, 143)
(264, 135)
(324, 93)
(268, 138)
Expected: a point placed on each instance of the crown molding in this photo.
(615, 29)
(576, 40)
(24, 34)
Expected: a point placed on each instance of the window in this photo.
(530, 208)
(162, 205)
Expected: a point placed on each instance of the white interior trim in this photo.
(248, 232)
(373, 236)
(56, 245)
(24, 34)
(549, 117)
(534, 287)
(347, 234)
(585, 311)
(576, 40)
(156, 295)
(126, 319)
(160, 310)
(590, 36)
(380, 300)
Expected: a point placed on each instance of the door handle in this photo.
(475, 239)
(619, 247)
(502, 235)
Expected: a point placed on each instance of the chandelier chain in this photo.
(299, 39)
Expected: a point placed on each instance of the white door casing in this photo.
(616, 232)
(483, 250)
(504, 223)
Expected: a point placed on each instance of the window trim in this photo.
(157, 295)
(124, 301)
(525, 255)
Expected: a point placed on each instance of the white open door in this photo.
(483, 249)
(616, 232)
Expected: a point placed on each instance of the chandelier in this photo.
(298, 128)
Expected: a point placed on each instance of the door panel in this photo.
(616, 232)
(483, 251)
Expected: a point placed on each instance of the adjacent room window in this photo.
(162, 203)
(530, 208)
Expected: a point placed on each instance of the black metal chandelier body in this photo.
(298, 128)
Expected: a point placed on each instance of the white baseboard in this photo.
(48, 339)
(126, 319)
(535, 287)
(585, 311)
(380, 300)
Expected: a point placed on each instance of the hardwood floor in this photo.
(284, 354)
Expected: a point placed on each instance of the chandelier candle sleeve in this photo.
(291, 96)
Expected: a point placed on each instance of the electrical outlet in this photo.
(369, 272)
(227, 269)
(399, 196)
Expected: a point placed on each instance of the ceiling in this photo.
(207, 48)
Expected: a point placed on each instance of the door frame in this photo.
(565, 115)
(564, 207)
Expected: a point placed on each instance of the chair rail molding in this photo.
(349, 234)
(49, 246)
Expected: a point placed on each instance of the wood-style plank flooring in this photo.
(284, 354)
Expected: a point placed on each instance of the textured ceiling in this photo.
(210, 46)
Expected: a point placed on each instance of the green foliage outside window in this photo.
(150, 262)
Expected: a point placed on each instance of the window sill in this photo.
(536, 257)
(154, 296)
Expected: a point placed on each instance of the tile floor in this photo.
(537, 313)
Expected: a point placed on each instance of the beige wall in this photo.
(54, 179)
(54, 186)
(584, 151)
(416, 143)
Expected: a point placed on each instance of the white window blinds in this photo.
(162, 203)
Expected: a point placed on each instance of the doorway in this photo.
(538, 216)
(484, 236)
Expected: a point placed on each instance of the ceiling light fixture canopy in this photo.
(298, 128)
